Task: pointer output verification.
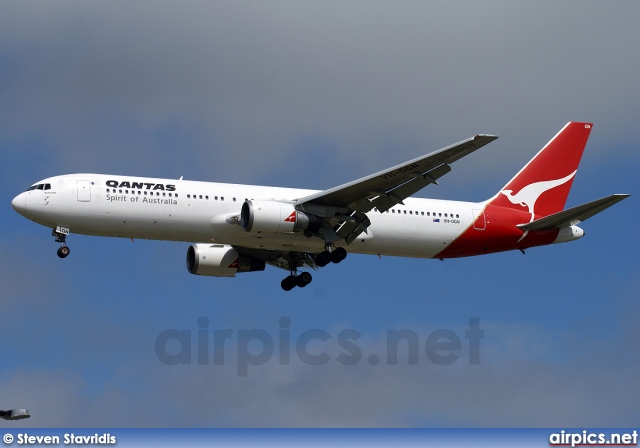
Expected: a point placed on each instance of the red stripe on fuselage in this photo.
(500, 234)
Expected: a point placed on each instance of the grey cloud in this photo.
(520, 382)
(111, 83)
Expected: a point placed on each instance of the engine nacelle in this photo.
(219, 260)
(276, 217)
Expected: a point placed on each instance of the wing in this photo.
(350, 202)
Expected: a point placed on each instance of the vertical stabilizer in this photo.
(542, 186)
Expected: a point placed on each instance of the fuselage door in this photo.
(479, 222)
(84, 191)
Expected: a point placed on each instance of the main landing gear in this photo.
(325, 257)
(293, 280)
(61, 237)
(304, 278)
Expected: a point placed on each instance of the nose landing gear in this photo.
(61, 237)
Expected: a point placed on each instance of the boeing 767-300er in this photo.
(240, 228)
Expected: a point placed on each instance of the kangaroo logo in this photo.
(528, 196)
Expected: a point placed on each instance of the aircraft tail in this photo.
(542, 186)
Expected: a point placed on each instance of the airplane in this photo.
(241, 228)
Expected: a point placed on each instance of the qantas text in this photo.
(140, 185)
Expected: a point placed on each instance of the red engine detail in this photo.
(276, 218)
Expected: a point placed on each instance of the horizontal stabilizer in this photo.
(574, 215)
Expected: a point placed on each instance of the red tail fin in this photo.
(542, 186)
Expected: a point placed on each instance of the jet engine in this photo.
(219, 260)
(276, 217)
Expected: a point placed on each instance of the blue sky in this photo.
(311, 96)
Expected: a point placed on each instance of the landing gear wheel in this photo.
(323, 259)
(303, 279)
(338, 255)
(63, 251)
(288, 283)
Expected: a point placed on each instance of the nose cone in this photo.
(19, 203)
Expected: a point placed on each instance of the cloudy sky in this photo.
(313, 95)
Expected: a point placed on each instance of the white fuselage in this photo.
(190, 211)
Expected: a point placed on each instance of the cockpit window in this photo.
(39, 187)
